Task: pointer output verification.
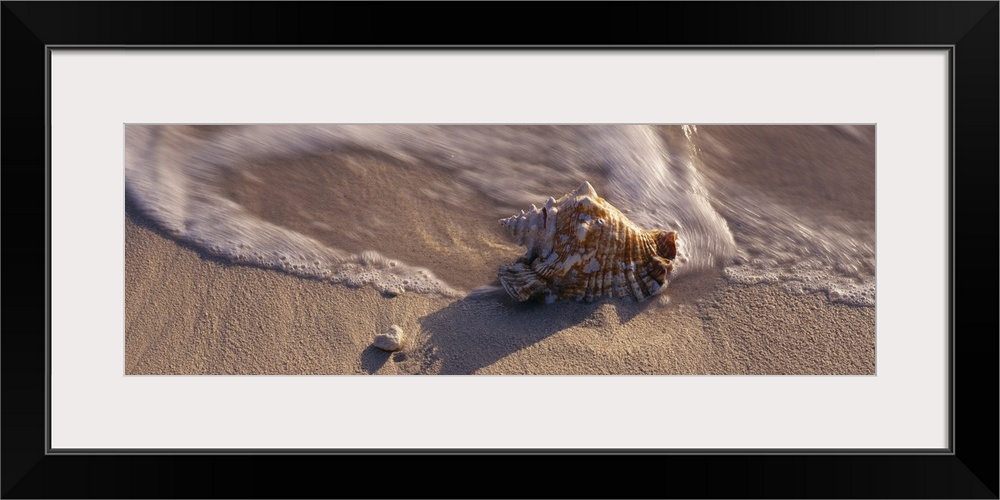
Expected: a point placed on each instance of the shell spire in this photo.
(586, 189)
(581, 247)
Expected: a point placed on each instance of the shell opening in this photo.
(666, 244)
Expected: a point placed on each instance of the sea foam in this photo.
(175, 174)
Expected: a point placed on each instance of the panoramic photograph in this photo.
(633, 249)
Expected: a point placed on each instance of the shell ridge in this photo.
(607, 258)
(635, 246)
(521, 282)
(619, 231)
(617, 271)
(630, 270)
(591, 288)
(649, 277)
(634, 281)
(651, 271)
(608, 234)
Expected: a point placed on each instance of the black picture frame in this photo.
(970, 29)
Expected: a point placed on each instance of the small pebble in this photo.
(391, 340)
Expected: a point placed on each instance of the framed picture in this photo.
(242, 227)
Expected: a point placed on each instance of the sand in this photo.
(189, 313)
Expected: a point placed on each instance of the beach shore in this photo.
(189, 313)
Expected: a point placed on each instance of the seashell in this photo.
(580, 247)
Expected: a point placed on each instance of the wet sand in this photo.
(189, 313)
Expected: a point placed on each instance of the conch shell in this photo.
(580, 247)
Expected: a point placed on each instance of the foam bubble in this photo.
(844, 290)
(370, 268)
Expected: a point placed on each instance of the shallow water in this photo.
(415, 208)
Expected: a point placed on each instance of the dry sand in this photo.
(186, 313)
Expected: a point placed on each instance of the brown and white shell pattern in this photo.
(580, 247)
